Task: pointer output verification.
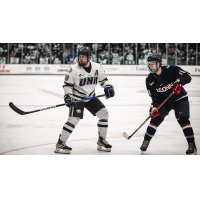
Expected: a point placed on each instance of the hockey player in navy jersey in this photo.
(160, 83)
(80, 83)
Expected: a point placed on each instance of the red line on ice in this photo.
(47, 144)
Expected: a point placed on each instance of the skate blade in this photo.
(100, 148)
(192, 154)
(58, 150)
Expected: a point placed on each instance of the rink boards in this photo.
(62, 69)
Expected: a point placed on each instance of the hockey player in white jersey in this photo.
(80, 82)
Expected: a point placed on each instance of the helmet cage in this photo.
(153, 70)
(155, 58)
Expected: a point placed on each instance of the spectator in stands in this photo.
(72, 55)
(30, 47)
(66, 56)
(12, 54)
(102, 59)
(115, 55)
(141, 53)
(115, 58)
(53, 56)
(95, 47)
(153, 50)
(129, 57)
(33, 57)
(145, 51)
(121, 58)
(27, 59)
(93, 57)
(1, 50)
(20, 46)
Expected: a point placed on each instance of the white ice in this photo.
(37, 133)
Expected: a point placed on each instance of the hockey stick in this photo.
(128, 137)
(21, 112)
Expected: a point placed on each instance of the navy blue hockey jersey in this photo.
(159, 88)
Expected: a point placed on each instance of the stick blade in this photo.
(125, 135)
(17, 110)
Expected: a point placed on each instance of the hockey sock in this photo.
(68, 128)
(103, 127)
(187, 129)
(151, 129)
(103, 122)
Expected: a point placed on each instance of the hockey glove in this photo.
(109, 91)
(177, 87)
(68, 100)
(153, 111)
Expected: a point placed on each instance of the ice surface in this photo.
(37, 133)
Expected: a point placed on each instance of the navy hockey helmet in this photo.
(84, 51)
(154, 57)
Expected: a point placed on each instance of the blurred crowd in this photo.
(103, 53)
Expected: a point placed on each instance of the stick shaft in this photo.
(150, 115)
(21, 112)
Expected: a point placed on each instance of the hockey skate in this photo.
(62, 148)
(103, 145)
(192, 149)
(144, 146)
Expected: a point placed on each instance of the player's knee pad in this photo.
(157, 121)
(183, 121)
(73, 120)
(182, 109)
(102, 114)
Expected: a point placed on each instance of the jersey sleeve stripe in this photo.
(103, 80)
(68, 85)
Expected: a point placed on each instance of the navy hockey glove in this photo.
(68, 100)
(109, 91)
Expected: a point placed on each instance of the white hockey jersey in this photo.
(80, 84)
